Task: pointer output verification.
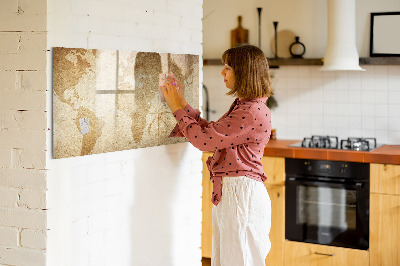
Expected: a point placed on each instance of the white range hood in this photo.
(341, 51)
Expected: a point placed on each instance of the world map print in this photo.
(109, 100)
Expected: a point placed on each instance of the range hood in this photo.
(341, 51)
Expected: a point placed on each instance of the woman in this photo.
(242, 208)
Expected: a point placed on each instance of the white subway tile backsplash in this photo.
(355, 122)
(368, 123)
(352, 102)
(291, 71)
(303, 82)
(394, 123)
(355, 132)
(368, 110)
(381, 136)
(329, 123)
(355, 96)
(393, 71)
(354, 80)
(292, 83)
(381, 97)
(329, 109)
(316, 82)
(380, 84)
(316, 72)
(342, 81)
(367, 96)
(394, 97)
(328, 74)
(380, 71)
(342, 96)
(342, 109)
(394, 137)
(342, 122)
(304, 72)
(381, 123)
(394, 82)
(394, 110)
(381, 110)
(329, 93)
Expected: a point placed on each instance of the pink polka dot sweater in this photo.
(238, 139)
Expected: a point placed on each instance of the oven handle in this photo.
(357, 185)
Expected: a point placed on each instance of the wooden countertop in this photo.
(389, 154)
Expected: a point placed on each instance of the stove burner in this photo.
(358, 144)
(332, 142)
(328, 142)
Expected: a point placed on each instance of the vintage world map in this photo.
(107, 100)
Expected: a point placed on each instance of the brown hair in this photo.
(250, 66)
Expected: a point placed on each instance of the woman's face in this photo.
(229, 76)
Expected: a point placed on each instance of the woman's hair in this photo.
(250, 66)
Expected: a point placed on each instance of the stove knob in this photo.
(343, 168)
(308, 166)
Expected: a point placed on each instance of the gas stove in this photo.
(332, 142)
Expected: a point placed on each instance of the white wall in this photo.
(311, 102)
(305, 18)
(135, 207)
(23, 133)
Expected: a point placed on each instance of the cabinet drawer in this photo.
(305, 254)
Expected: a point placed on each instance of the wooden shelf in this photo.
(274, 63)
(380, 61)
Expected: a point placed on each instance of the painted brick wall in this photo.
(136, 207)
(23, 132)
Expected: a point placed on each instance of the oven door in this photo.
(327, 213)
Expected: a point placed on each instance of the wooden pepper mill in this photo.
(239, 35)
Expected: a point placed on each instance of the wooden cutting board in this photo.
(239, 35)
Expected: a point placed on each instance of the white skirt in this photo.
(241, 223)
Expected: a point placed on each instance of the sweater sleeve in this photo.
(195, 114)
(229, 131)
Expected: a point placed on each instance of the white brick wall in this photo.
(136, 207)
(23, 132)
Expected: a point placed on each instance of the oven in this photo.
(327, 202)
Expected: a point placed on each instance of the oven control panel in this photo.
(338, 169)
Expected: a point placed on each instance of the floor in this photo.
(206, 261)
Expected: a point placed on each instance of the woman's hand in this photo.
(181, 93)
(172, 95)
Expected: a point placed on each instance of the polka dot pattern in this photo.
(238, 139)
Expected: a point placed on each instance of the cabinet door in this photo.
(206, 232)
(277, 233)
(305, 254)
(384, 230)
(385, 178)
(274, 168)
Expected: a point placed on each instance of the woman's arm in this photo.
(176, 100)
(239, 127)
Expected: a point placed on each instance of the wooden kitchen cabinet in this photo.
(385, 178)
(384, 236)
(206, 225)
(274, 168)
(305, 254)
(277, 233)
